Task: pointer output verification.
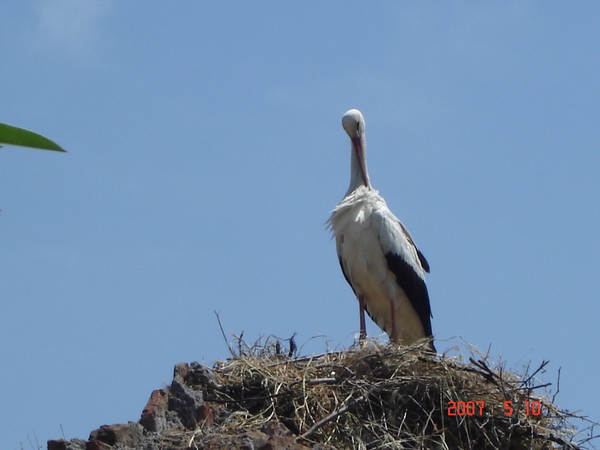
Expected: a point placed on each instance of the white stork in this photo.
(379, 259)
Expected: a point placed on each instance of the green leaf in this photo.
(24, 138)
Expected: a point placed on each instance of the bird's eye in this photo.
(358, 126)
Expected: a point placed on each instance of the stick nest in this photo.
(386, 397)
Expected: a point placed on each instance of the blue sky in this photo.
(206, 153)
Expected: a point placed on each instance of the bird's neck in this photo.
(359, 176)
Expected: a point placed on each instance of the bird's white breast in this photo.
(357, 239)
(357, 224)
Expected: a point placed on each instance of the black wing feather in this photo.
(413, 286)
(346, 275)
(423, 261)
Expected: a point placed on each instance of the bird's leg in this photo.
(363, 327)
(394, 334)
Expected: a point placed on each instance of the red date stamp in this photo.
(476, 408)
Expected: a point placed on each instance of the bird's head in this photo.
(354, 123)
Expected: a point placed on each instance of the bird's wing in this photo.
(420, 255)
(406, 263)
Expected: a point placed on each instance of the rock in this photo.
(97, 445)
(61, 444)
(274, 428)
(184, 400)
(177, 417)
(127, 435)
(154, 413)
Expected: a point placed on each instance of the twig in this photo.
(329, 418)
(542, 365)
(539, 386)
(293, 346)
(223, 333)
(248, 399)
(487, 373)
(557, 386)
(315, 381)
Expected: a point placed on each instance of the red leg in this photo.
(363, 326)
(394, 335)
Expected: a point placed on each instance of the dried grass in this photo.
(384, 397)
